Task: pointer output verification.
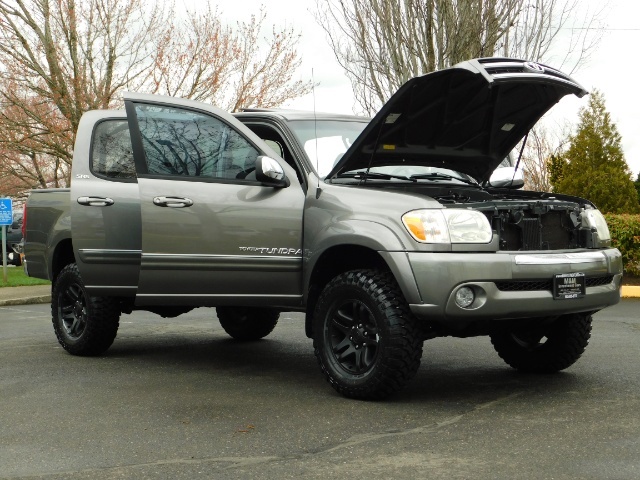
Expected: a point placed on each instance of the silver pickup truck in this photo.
(384, 232)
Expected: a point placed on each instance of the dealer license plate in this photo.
(569, 285)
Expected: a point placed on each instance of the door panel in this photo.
(211, 234)
(105, 207)
(233, 240)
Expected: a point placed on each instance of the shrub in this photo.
(625, 236)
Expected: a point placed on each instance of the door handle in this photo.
(95, 201)
(172, 202)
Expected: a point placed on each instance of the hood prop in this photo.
(373, 152)
(524, 142)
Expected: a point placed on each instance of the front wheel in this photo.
(366, 340)
(546, 349)
(84, 325)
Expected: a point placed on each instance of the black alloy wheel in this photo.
(353, 336)
(84, 325)
(72, 311)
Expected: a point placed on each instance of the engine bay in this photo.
(524, 220)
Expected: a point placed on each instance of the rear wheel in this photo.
(84, 325)
(247, 323)
(545, 349)
(366, 340)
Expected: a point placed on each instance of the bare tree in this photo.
(541, 145)
(232, 68)
(28, 135)
(561, 33)
(383, 43)
(60, 58)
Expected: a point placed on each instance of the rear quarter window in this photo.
(111, 152)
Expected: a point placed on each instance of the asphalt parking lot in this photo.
(177, 399)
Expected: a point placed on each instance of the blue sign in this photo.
(6, 211)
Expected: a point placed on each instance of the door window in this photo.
(181, 142)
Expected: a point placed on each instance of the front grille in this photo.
(540, 285)
(522, 285)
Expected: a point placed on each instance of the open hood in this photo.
(465, 118)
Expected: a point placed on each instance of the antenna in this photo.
(315, 119)
(315, 130)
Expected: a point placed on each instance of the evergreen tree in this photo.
(637, 184)
(555, 167)
(594, 166)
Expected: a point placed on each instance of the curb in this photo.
(26, 301)
(630, 291)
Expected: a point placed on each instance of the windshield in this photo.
(325, 141)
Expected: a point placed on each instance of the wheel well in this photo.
(333, 262)
(62, 256)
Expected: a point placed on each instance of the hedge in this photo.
(625, 236)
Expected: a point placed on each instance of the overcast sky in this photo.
(614, 68)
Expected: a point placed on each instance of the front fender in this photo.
(366, 234)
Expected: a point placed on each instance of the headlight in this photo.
(448, 226)
(594, 219)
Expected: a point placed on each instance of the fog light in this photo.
(465, 297)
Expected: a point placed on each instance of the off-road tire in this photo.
(366, 340)
(84, 325)
(547, 349)
(247, 323)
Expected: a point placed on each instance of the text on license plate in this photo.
(569, 285)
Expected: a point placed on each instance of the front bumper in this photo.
(511, 285)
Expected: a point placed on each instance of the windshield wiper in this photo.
(377, 175)
(442, 176)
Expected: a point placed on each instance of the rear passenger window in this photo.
(111, 154)
(182, 142)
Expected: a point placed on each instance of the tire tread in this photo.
(567, 341)
(404, 349)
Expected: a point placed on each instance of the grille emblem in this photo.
(533, 67)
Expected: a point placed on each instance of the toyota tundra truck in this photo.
(384, 232)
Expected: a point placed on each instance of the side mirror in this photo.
(270, 173)
(507, 177)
